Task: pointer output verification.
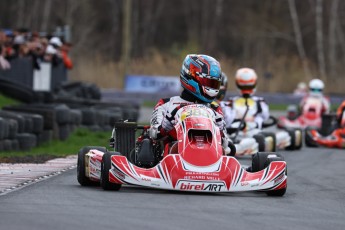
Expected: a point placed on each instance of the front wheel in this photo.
(308, 138)
(105, 167)
(81, 166)
(261, 161)
(278, 192)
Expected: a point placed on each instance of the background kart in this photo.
(245, 133)
(309, 116)
(261, 140)
(330, 135)
(195, 162)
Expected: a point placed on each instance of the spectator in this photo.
(23, 43)
(66, 47)
(53, 53)
(4, 64)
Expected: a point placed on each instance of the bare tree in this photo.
(298, 37)
(21, 13)
(46, 15)
(332, 38)
(319, 39)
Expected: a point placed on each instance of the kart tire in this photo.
(13, 115)
(45, 136)
(81, 177)
(7, 145)
(16, 91)
(131, 156)
(26, 141)
(299, 139)
(279, 192)
(329, 124)
(13, 128)
(15, 145)
(2, 128)
(308, 139)
(274, 140)
(260, 139)
(88, 116)
(105, 167)
(64, 132)
(296, 139)
(258, 161)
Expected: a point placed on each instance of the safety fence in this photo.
(23, 73)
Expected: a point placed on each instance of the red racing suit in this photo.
(162, 122)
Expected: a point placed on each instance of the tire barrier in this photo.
(45, 116)
(25, 126)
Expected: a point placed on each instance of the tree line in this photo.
(249, 32)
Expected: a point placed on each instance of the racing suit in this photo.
(235, 107)
(162, 121)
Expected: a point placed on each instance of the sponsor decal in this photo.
(201, 186)
(145, 179)
(279, 178)
(244, 183)
(155, 184)
(202, 176)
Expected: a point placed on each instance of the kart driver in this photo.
(234, 108)
(316, 87)
(200, 78)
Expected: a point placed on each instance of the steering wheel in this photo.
(270, 122)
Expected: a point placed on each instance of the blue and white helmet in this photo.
(201, 76)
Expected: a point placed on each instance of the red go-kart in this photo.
(310, 115)
(195, 161)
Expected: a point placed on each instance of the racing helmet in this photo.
(223, 87)
(246, 80)
(201, 76)
(301, 86)
(316, 87)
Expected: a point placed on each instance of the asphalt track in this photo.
(315, 199)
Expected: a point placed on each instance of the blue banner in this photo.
(152, 84)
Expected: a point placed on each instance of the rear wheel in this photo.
(309, 141)
(260, 139)
(105, 167)
(296, 139)
(270, 141)
(81, 167)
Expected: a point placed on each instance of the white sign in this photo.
(42, 77)
(152, 84)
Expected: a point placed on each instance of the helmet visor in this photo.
(316, 90)
(209, 82)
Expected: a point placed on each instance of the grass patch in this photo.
(4, 100)
(79, 138)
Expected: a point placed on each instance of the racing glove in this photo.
(228, 146)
